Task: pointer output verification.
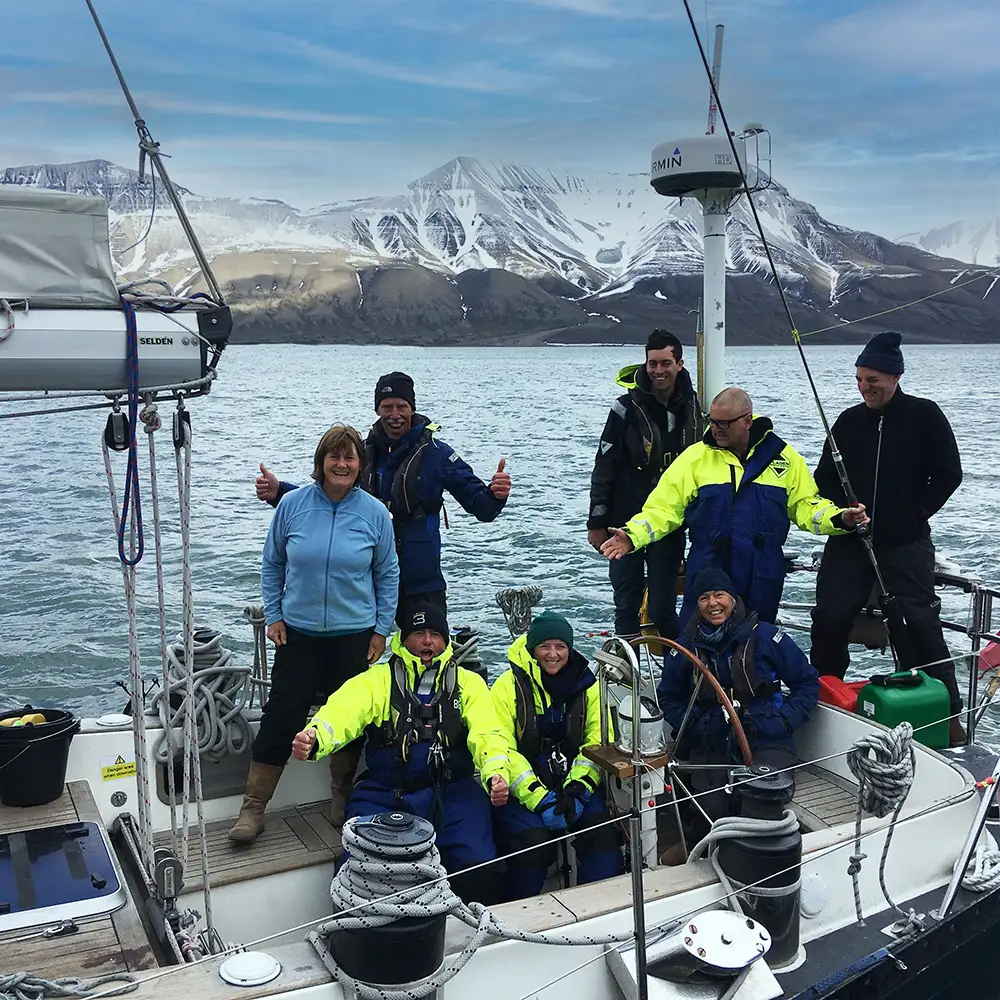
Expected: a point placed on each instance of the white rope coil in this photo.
(416, 881)
(220, 692)
(24, 986)
(884, 781)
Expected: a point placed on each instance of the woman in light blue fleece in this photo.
(330, 583)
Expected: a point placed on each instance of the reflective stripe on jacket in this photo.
(525, 784)
(365, 700)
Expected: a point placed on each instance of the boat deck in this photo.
(294, 838)
(113, 943)
(822, 798)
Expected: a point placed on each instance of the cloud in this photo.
(922, 40)
(112, 99)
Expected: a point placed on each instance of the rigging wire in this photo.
(892, 615)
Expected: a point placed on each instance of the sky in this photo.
(885, 115)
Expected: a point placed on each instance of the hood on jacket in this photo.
(636, 378)
(577, 668)
(413, 664)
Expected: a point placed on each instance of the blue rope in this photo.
(132, 494)
(848, 972)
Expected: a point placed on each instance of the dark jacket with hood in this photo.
(640, 439)
(410, 477)
(902, 461)
(768, 715)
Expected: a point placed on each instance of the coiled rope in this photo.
(884, 782)
(416, 880)
(516, 604)
(729, 827)
(8, 327)
(220, 693)
(983, 871)
(254, 615)
(24, 986)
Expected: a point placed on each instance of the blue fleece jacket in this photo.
(330, 567)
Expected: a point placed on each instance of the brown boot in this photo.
(261, 783)
(673, 855)
(343, 767)
(957, 735)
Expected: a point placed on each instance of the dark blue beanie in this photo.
(883, 354)
(711, 579)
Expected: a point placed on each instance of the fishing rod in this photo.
(900, 644)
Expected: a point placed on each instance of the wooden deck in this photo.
(113, 943)
(293, 838)
(823, 799)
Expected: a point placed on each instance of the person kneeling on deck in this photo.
(751, 660)
(548, 705)
(428, 724)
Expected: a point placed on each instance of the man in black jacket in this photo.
(648, 427)
(903, 462)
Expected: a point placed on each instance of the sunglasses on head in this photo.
(725, 424)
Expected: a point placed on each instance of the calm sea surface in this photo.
(63, 634)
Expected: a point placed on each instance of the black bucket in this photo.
(33, 757)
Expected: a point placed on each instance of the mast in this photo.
(706, 169)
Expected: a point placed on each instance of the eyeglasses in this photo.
(725, 424)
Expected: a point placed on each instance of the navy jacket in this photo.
(769, 720)
(418, 540)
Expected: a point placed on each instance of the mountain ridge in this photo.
(475, 252)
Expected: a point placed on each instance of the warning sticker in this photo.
(117, 767)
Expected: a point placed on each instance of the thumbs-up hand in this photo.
(266, 484)
(500, 483)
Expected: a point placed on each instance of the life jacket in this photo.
(405, 500)
(527, 730)
(745, 684)
(436, 722)
(644, 435)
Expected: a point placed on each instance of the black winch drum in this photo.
(33, 758)
(406, 950)
(772, 866)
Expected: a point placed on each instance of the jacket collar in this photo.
(378, 437)
(635, 379)
(413, 665)
(519, 655)
(759, 429)
(736, 628)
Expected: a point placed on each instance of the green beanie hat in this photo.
(549, 625)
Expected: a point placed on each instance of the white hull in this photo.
(251, 905)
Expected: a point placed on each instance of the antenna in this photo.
(716, 71)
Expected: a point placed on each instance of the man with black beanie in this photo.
(903, 463)
(409, 469)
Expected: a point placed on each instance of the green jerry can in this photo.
(909, 696)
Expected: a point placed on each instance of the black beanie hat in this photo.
(423, 616)
(395, 385)
(883, 354)
(711, 579)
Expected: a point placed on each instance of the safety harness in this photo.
(553, 756)
(427, 715)
(745, 683)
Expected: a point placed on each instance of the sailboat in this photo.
(869, 876)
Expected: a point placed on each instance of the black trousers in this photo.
(306, 671)
(655, 565)
(407, 601)
(843, 586)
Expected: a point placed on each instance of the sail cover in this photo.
(55, 250)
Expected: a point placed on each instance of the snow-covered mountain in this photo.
(972, 241)
(580, 251)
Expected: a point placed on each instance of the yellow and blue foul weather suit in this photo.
(547, 720)
(737, 513)
(427, 731)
